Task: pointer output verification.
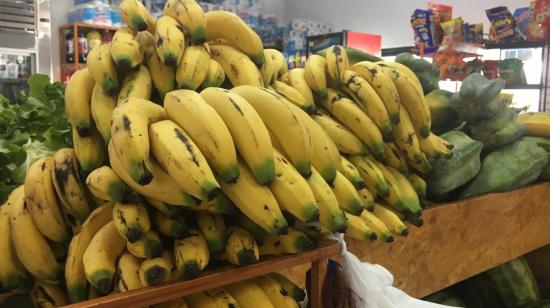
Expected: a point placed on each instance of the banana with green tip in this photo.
(156, 270)
(103, 69)
(242, 221)
(125, 50)
(102, 106)
(282, 121)
(368, 198)
(269, 70)
(314, 73)
(405, 137)
(48, 295)
(105, 184)
(297, 80)
(294, 96)
(131, 220)
(41, 199)
(275, 292)
(127, 273)
(237, 66)
(293, 242)
(231, 28)
(351, 173)
(89, 151)
(69, 188)
(215, 76)
(279, 60)
(391, 220)
(409, 198)
(372, 175)
(435, 147)
(75, 277)
(100, 257)
(221, 298)
(405, 70)
(290, 287)
(395, 158)
(130, 136)
(394, 196)
(169, 41)
(147, 247)
(137, 84)
(191, 254)
(162, 75)
(135, 15)
(219, 205)
(423, 166)
(358, 229)
(382, 84)
(173, 227)
(203, 124)
(170, 211)
(373, 222)
(193, 67)
(346, 141)
(249, 133)
(212, 228)
(190, 15)
(418, 184)
(78, 94)
(249, 295)
(241, 248)
(337, 64)
(346, 194)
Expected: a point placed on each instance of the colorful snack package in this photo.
(511, 71)
(423, 26)
(441, 13)
(502, 22)
(477, 30)
(540, 24)
(522, 16)
(490, 69)
(452, 30)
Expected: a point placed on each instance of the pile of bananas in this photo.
(193, 144)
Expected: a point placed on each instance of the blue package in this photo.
(424, 30)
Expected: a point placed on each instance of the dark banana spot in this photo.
(156, 250)
(43, 166)
(170, 60)
(127, 124)
(191, 270)
(141, 26)
(283, 292)
(134, 235)
(282, 230)
(405, 232)
(112, 91)
(104, 286)
(146, 177)
(373, 236)
(342, 229)
(187, 144)
(236, 106)
(83, 131)
(213, 194)
(46, 296)
(305, 243)
(124, 65)
(246, 257)
(61, 178)
(314, 217)
(155, 275)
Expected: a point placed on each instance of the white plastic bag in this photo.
(371, 284)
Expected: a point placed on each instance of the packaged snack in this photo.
(441, 13)
(540, 23)
(511, 71)
(490, 69)
(502, 22)
(452, 30)
(477, 30)
(423, 26)
(522, 16)
(473, 66)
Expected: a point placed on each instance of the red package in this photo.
(540, 24)
(441, 13)
(490, 69)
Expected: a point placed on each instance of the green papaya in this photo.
(439, 102)
(512, 166)
(509, 133)
(545, 173)
(449, 174)
(426, 72)
(498, 104)
(476, 92)
(355, 55)
(445, 297)
(485, 129)
(543, 142)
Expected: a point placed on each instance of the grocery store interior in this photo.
(275, 153)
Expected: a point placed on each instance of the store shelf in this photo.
(524, 87)
(220, 277)
(12, 81)
(513, 45)
(88, 26)
(460, 240)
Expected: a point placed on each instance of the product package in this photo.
(452, 30)
(490, 69)
(502, 22)
(424, 32)
(522, 17)
(540, 23)
(441, 13)
(511, 71)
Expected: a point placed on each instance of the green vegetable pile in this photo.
(31, 130)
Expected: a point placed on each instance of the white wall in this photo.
(59, 9)
(276, 7)
(389, 18)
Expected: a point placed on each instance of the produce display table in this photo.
(460, 239)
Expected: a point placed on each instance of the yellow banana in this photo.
(47, 295)
(176, 303)
(173, 227)
(127, 274)
(537, 123)
(343, 138)
(405, 137)
(219, 205)
(215, 76)
(203, 124)
(275, 292)
(422, 166)
(190, 15)
(162, 75)
(435, 147)
(102, 106)
(249, 295)
(156, 270)
(358, 229)
(105, 184)
(294, 96)
(337, 64)
(168, 210)
(378, 226)
(279, 60)
(409, 197)
(347, 169)
(78, 94)
(212, 228)
(330, 215)
(169, 41)
(367, 197)
(241, 248)
(103, 69)
(191, 254)
(125, 50)
(201, 300)
(221, 298)
(238, 68)
(391, 220)
(137, 84)
(395, 158)
(131, 220)
(293, 242)
(404, 70)
(193, 67)
(394, 197)
(135, 15)
(372, 175)
(269, 70)
(314, 73)
(297, 80)
(290, 287)
(89, 151)
(418, 184)
(347, 196)
(147, 247)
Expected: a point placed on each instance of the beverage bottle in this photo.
(69, 47)
(82, 47)
(13, 69)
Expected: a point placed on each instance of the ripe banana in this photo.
(372, 175)
(249, 295)
(191, 254)
(435, 147)
(409, 197)
(178, 154)
(405, 137)
(365, 95)
(249, 133)
(537, 123)
(347, 169)
(100, 257)
(378, 226)
(418, 184)
(219, 205)
(12, 273)
(292, 192)
(269, 70)
(173, 227)
(394, 197)
(343, 138)
(103, 69)
(135, 15)
(413, 100)
(291, 288)
(193, 67)
(102, 106)
(127, 273)
(279, 60)
(221, 298)
(391, 220)
(423, 166)
(283, 123)
(130, 136)
(367, 197)
(125, 50)
(395, 158)
(203, 124)
(330, 215)
(241, 248)
(190, 15)
(358, 229)
(240, 220)
(314, 73)
(169, 41)
(215, 75)
(337, 64)
(162, 187)
(246, 193)
(69, 188)
(75, 278)
(293, 242)
(297, 80)
(41, 200)
(176, 303)
(347, 196)
(294, 96)
(404, 70)
(137, 84)
(156, 270)
(238, 68)
(231, 28)
(47, 295)
(212, 228)
(89, 151)
(131, 220)
(383, 86)
(202, 300)
(148, 246)
(104, 184)
(275, 292)
(163, 75)
(77, 101)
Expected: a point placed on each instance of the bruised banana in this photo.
(435, 147)
(357, 229)
(127, 274)
(162, 75)
(337, 64)
(290, 287)
(378, 226)
(137, 84)
(169, 41)
(147, 247)
(89, 151)
(241, 248)
(347, 169)
(215, 75)
(175, 227)
(191, 254)
(347, 196)
(391, 220)
(193, 67)
(275, 292)
(395, 158)
(190, 15)
(156, 270)
(371, 174)
(293, 242)
(367, 197)
(405, 137)
(44, 294)
(135, 15)
(297, 80)
(269, 70)
(131, 220)
(125, 50)
(279, 60)
(249, 295)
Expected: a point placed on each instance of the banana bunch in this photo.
(126, 50)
